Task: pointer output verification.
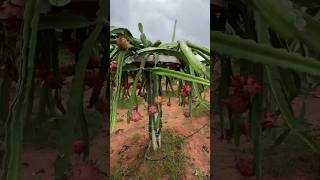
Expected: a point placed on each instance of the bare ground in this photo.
(124, 149)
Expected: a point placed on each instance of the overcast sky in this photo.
(157, 17)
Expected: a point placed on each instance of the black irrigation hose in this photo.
(195, 132)
(146, 157)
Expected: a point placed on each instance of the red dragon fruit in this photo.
(237, 104)
(238, 81)
(184, 93)
(153, 109)
(186, 114)
(113, 66)
(268, 120)
(136, 116)
(77, 147)
(253, 86)
(188, 88)
(245, 87)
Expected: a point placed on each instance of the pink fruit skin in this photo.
(188, 88)
(194, 99)
(77, 147)
(136, 117)
(184, 94)
(186, 114)
(237, 104)
(153, 109)
(248, 84)
(113, 66)
(245, 87)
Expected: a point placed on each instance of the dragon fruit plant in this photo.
(265, 58)
(130, 60)
(32, 63)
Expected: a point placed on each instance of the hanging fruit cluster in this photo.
(245, 87)
(186, 90)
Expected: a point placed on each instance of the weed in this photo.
(119, 174)
(136, 137)
(123, 103)
(200, 175)
(173, 164)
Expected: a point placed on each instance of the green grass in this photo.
(136, 137)
(123, 102)
(172, 166)
(198, 174)
(200, 111)
(119, 174)
(42, 132)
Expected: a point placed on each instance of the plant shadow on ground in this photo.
(45, 131)
(170, 166)
(292, 158)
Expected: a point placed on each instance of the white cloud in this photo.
(157, 17)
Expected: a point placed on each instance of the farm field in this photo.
(266, 89)
(187, 157)
(291, 160)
